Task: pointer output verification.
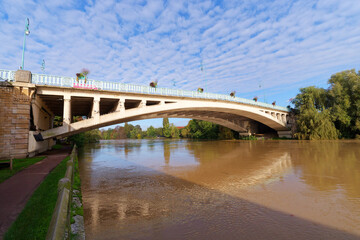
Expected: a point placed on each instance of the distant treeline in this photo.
(196, 129)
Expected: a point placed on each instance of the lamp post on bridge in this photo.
(26, 32)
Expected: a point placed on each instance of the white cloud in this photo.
(240, 43)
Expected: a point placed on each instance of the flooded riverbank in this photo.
(159, 189)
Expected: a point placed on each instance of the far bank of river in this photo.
(179, 189)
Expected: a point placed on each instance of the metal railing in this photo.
(43, 79)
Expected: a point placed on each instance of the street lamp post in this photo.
(26, 32)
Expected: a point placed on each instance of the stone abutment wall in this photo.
(14, 121)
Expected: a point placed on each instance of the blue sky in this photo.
(278, 45)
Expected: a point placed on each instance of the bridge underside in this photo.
(108, 110)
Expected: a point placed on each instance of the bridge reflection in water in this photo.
(154, 189)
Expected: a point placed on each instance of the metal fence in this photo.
(50, 80)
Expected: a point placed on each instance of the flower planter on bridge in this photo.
(84, 86)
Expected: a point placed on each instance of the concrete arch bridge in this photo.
(107, 103)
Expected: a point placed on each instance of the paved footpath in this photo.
(17, 190)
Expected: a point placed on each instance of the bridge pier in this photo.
(67, 111)
(120, 106)
(95, 113)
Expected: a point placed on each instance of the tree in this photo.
(331, 113)
(166, 128)
(344, 95)
(151, 132)
(174, 131)
(198, 129)
(128, 129)
(184, 132)
(225, 133)
(313, 120)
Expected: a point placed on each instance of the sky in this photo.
(261, 48)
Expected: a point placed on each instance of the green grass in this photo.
(57, 146)
(33, 222)
(18, 165)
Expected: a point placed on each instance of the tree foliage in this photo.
(198, 129)
(166, 128)
(330, 113)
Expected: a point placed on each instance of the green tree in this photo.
(313, 120)
(151, 132)
(225, 133)
(174, 131)
(184, 132)
(136, 132)
(128, 128)
(166, 128)
(198, 129)
(320, 112)
(344, 95)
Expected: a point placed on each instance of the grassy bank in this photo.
(18, 165)
(33, 222)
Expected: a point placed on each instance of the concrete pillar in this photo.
(121, 106)
(67, 110)
(23, 76)
(278, 116)
(142, 103)
(96, 107)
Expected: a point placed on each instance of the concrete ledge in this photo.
(58, 224)
(60, 221)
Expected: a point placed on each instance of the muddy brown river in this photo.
(160, 189)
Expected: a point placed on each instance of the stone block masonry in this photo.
(14, 121)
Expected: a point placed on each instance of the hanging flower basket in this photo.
(255, 99)
(274, 103)
(82, 75)
(232, 94)
(153, 84)
(200, 90)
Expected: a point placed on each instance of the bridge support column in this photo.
(95, 113)
(121, 106)
(142, 103)
(67, 111)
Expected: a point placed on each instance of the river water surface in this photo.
(160, 189)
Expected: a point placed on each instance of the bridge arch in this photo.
(232, 115)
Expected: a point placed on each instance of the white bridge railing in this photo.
(50, 80)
